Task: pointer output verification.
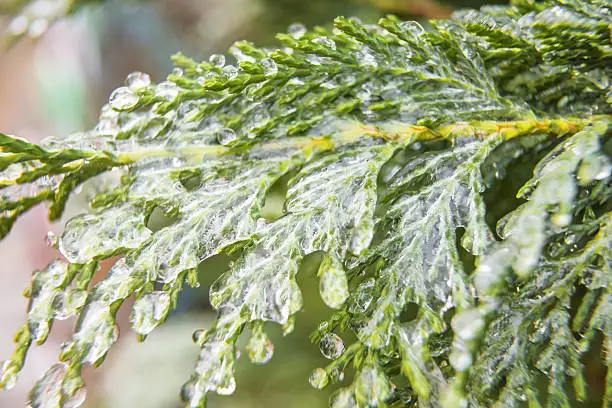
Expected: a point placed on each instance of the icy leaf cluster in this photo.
(388, 144)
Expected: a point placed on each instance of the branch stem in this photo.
(395, 133)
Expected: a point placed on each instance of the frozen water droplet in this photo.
(467, 324)
(295, 82)
(228, 388)
(211, 75)
(296, 30)
(149, 311)
(326, 42)
(260, 347)
(269, 67)
(18, 25)
(51, 239)
(351, 261)
(251, 91)
(412, 27)
(218, 60)
(343, 398)
(123, 99)
(331, 346)
(230, 71)
(215, 368)
(38, 27)
(178, 72)
(319, 378)
(226, 136)
(260, 117)
(167, 90)
(138, 80)
(199, 336)
(333, 284)
(570, 239)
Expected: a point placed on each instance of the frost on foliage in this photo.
(387, 138)
(429, 197)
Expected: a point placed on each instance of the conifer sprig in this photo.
(390, 139)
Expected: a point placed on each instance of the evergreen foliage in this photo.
(388, 140)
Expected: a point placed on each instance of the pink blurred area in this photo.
(24, 249)
(22, 113)
(55, 85)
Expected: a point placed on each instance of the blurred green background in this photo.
(54, 80)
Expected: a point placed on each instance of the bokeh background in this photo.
(53, 81)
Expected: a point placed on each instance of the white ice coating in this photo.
(90, 235)
(149, 311)
(45, 287)
(372, 387)
(348, 191)
(423, 260)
